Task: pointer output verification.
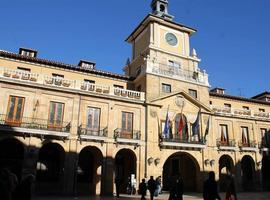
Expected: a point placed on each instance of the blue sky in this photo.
(232, 40)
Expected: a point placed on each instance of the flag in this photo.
(196, 126)
(207, 129)
(181, 126)
(166, 131)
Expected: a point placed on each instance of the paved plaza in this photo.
(197, 196)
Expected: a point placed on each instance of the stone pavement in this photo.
(197, 196)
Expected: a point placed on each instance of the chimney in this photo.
(87, 64)
(28, 52)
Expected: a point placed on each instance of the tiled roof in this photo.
(239, 98)
(11, 55)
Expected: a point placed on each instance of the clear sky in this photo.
(233, 36)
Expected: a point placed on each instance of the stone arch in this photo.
(125, 167)
(226, 167)
(50, 168)
(247, 172)
(184, 164)
(12, 152)
(89, 171)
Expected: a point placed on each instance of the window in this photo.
(15, 110)
(93, 118)
(118, 86)
(227, 105)
(245, 107)
(56, 114)
(89, 81)
(261, 110)
(210, 102)
(28, 53)
(127, 122)
(57, 75)
(166, 88)
(223, 134)
(24, 69)
(245, 136)
(193, 93)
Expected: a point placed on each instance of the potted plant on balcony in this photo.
(25, 77)
(131, 95)
(116, 92)
(83, 87)
(98, 90)
(137, 96)
(106, 91)
(48, 81)
(91, 87)
(7, 74)
(66, 84)
(123, 93)
(15, 76)
(58, 82)
(34, 79)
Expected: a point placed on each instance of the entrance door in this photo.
(248, 169)
(184, 165)
(225, 168)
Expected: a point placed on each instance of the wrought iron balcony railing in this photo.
(34, 123)
(249, 144)
(124, 134)
(178, 139)
(59, 82)
(84, 130)
(227, 143)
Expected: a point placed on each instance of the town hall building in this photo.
(77, 128)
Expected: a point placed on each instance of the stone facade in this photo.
(78, 129)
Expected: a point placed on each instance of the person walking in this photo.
(158, 181)
(230, 189)
(172, 195)
(179, 188)
(143, 189)
(117, 182)
(152, 186)
(210, 190)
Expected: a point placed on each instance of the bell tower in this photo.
(160, 9)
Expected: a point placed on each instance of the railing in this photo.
(240, 113)
(101, 132)
(228, 143)
(251, 144)
(132, 135)
(263, 144)
(178, 139)
(72, 84)
(34, 123)
(178, 73)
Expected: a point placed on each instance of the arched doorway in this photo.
(12, 155)
(225, 168)
(185, 165)
(247, 172)
(125, 167)
(266, 172)
(89, 171)
(50, 169)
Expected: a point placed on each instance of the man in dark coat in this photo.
(210, 191)
(152, 186)
(143, 189)
(179, 188)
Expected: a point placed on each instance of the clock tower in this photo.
(162, 60)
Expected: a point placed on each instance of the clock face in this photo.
(171, 39)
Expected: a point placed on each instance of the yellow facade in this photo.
(160, 80)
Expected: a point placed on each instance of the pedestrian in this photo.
(230, 188)
(143, 189)
(24, 188)
(152, 186)
(179, 188)
(210, 189)
(117, 182)
(158, 181)
(172, 195)
(5, 190)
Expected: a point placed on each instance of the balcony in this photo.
(34, 126)
(176, 141)
(99, 134)
(127, 137)
(249, 146)
(180, 74)
(59, 82)
(229, 145)
(225, 111)
(264, 146)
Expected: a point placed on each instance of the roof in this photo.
(239, 98)
(261, 95)
(6, 54)
(150, 17)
